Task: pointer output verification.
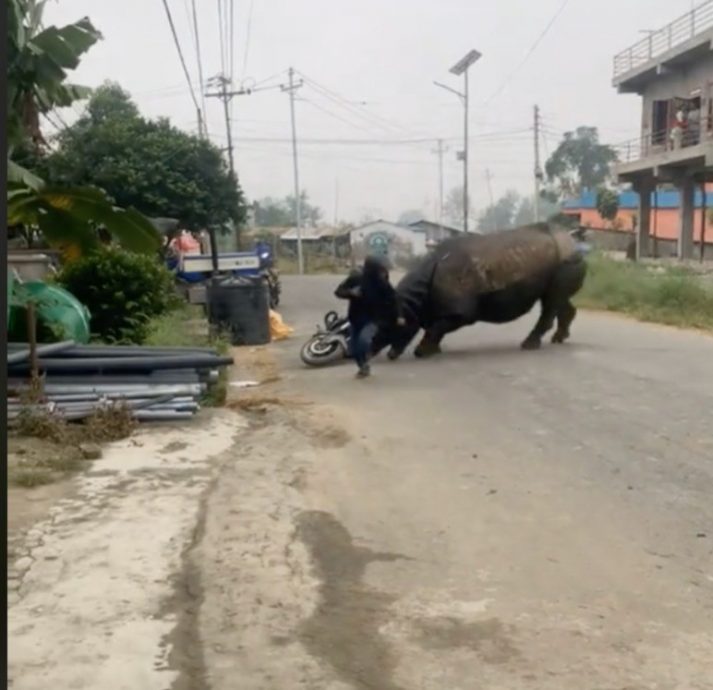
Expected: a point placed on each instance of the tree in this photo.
(410, 216)
(271, 212)
(147, 164)
(607, 204)
(500, 215)
(453, 207)
(38, 62)
(308, 214)
(526, 212)
(579, 162)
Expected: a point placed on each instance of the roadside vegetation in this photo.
(673, 295)
(185, 326)
(44, 448)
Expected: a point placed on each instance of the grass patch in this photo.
(187, 326)
(671, 295)
(44, 448)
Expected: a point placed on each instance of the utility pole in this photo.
(226, 96)
(488, 177)
(466, 200)
(290, 89)
(228, 129)
(538, 170)
(336, 201)
(440, 150)
(201, 125)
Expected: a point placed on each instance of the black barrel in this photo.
(241, 308)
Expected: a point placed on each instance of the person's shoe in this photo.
(364, 372)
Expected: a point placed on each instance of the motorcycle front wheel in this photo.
(318, 353)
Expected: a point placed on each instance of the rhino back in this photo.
(477, 264)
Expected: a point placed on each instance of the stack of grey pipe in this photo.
(156, 383)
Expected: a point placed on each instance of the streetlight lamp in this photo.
(461, 67)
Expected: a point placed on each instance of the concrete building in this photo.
(665, 221)
(435, 232)
(672, 70)
(399, 242)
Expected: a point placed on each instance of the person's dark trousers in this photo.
(362, 337)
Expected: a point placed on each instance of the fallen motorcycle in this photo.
(328, 344)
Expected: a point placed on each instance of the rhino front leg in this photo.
(431, 342)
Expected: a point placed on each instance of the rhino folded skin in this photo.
(493, 262)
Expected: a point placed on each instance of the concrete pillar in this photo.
(643, 228)
(686, 189)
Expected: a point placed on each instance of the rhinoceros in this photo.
(494, 278)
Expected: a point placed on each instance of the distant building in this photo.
(672, 70)
(664, 225)
(319, 240)
(434, 232)
(399, 242)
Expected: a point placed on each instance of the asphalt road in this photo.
(488, 519)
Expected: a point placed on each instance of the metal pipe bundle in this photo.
(155, 383)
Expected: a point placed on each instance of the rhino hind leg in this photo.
(556, 304)
(544, 323)
(565, 316)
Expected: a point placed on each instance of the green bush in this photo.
(123, 292)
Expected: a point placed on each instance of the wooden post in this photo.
(32, 342)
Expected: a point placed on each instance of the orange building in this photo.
(665, 219)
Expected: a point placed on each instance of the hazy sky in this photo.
(381, 58)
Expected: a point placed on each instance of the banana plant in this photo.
(39, 61)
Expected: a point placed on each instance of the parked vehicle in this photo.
(329, 344)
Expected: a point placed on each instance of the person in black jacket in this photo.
(372, 305)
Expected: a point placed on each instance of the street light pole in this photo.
(461, 67)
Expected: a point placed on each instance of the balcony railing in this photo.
(659, 42)
(665, 140)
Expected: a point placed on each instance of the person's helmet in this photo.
(375, 262)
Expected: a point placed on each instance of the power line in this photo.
(489, 136)
(529, 53)
(180, 56)
(269, 79)
(231, 34)
(248, 32)
(192, 33)
(334, 115)
(200, 61)
(221, 36)
(344, 103)
(231, 47)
